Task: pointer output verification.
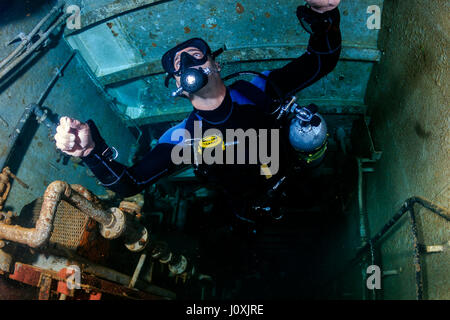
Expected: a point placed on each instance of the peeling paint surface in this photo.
(36, 159)
(409, 104)
(397, 77)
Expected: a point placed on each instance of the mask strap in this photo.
(166, 81)
(217, 53)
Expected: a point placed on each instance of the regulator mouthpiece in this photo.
(192, 80)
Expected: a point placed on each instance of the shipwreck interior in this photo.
(380, 196)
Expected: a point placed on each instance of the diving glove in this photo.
(317, 23)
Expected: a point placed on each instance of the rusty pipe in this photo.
(37, 236)
(113, 221)
(93, 210)
(55, 192)
(88, 195)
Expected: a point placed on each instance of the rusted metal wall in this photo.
(74, 95)
(409, 104)
(407, 97)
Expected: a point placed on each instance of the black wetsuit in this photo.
(245, 106)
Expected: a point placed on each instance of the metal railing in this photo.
(408, 206)
(369, 246)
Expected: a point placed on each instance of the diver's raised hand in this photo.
(322, 6)
(73, 137)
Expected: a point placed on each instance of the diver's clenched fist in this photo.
(73, 137)
(322, 6)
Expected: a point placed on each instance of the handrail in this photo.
(408, 206)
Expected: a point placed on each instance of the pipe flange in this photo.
(169, 257)
(42, 118)
(180, 267)
(140, 244)
(117, 226)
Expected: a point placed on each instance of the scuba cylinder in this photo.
(308, 135)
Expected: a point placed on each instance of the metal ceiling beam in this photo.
(135, 72)
(326, 107)
(158, 118)
(349, 53)
(109, 11)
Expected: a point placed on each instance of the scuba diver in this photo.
(241, 105)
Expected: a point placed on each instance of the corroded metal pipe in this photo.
(91, 209)
(113, 222)
(55, 192)
(177, 263)
(88, 195)
(37, 236)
